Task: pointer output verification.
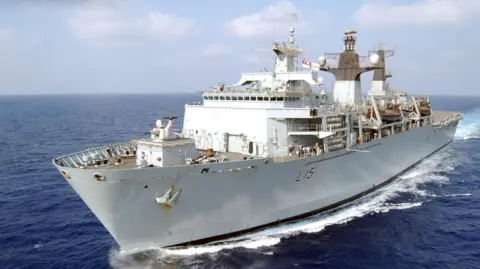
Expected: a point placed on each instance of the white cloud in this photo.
(264, 22)
(423, 13)
(6, 33)
(216, 50)
(95, 21)
(164, 25)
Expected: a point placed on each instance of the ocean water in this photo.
(429, 218)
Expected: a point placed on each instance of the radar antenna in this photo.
(390, 51)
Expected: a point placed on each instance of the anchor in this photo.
(168, 199)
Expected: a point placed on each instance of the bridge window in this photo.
(279, 98)
(253, 98)
(216, 97)
(240, 98)
(273, 98)
(222, 97)
(234, 98)
(205, 97)
(210, 97)
(260, 98)
(227, 97)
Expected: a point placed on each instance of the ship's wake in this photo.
(469, 127)
(392, 197)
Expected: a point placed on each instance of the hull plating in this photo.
(215, 204)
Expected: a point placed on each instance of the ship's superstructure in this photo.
(249, 148)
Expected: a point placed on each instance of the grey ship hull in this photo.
(213, 206)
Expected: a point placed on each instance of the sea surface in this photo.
(429, 218)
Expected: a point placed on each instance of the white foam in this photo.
(377, 202)
(457, 194)
(469, 127)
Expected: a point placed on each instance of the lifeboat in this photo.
(391, 113)
(408, 109)
(425, 109)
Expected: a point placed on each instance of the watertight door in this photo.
(234, 143)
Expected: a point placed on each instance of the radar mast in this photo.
(286, 53)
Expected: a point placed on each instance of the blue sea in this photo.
(429, 218)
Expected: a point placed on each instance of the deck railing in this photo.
(304, 127)
(315, 127)
(94, 155)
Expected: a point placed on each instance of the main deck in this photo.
(123, 156)
(129, 162)
(439, 117)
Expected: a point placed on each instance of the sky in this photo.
(141, 46)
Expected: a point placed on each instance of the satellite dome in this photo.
(292, 29)
(374, 59)
(322, 60)
(159, 123)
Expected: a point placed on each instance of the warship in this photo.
(273, 148)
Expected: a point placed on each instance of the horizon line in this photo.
(185, 93)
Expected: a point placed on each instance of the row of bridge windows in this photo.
(253, 98)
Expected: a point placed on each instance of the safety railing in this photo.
(304, 127)
(97, 156)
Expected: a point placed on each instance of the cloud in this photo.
(98, 21)
(95, 23)
(216, 50)
(6, 33)
(424, 13)
(263, 22)
(165, 26)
